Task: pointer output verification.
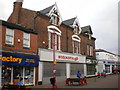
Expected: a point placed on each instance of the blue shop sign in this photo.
(19, 59)
(109, 62)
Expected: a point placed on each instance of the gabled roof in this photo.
(69, 21)
(47, 10)
(87, 29)
(15, 26)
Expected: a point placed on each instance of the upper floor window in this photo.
(89, 50)
(9, 36)
(26, 40)
(54, 34)
(76, 29)
(76, 44)
(54, 18)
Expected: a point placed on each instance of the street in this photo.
(111, 81)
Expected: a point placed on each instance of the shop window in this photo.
(6, 74)
(26, 40)
(9, 36)
(17, 75)
(91, 69)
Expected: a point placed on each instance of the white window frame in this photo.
(91, 51)
(57, 36)
(88, 50)
(27, 40)
(76, 38)
(8, 35)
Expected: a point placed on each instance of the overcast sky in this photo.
(101, 15)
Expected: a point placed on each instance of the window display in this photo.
(17, 75)
(6, 74)
(29, 71)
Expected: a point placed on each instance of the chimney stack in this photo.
(16, 10)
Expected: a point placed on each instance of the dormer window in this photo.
(54, 18)
(76, 29)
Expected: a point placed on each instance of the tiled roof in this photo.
(69, 21)
(87, 29)
(15, 26)
(46, 10)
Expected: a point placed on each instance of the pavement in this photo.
(110, 81)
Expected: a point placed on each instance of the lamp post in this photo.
(54, 61)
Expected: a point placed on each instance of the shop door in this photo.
(29, 76)
(107, 68)
(17, 75)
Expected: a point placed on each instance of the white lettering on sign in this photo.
(68, 57)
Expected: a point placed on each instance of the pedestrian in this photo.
(78, 74)
(104, 73)
(98, 74)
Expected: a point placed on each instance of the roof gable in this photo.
(50, 10)
(73, 22)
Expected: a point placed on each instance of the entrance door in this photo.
(17, 75)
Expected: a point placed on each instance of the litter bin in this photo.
(52, 81)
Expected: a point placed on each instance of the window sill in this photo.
(26, 48)
(9, 45)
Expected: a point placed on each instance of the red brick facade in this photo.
(18, 47)
(40, 22)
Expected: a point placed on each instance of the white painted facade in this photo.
(106, 61)
(46, 55)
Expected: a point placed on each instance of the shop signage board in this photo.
(19, 59)
(47, 55)
(109, 62)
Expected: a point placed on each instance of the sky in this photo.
(101, 15)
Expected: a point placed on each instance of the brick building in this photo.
(18, 54)
(73, 44)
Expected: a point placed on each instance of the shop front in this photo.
(109, 66)
(67, 65)
(91, 67)
(106, 66)
(18, 69)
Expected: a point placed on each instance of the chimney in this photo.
(16, 10)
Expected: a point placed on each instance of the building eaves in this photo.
(15, 26)
(101, 50)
